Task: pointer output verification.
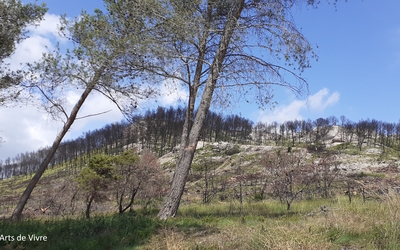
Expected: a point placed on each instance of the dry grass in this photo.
(339, 225)
(266, 224)
(311, 224)
(169, 239)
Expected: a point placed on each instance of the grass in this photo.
(264, 224)
(251, 157)
(227, 225)
(101, 232)
(268, 225)
(16, 184)
(364, 174)
(388, 155)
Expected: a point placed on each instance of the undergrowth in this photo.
(310, 224)
(99, 232)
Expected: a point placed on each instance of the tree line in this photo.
(372, 132)
(159, 130)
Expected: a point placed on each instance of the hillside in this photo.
(222, 163)
(241, 192)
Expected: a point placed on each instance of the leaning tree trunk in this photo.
(88, 205)
(43, 166)
(188, 149)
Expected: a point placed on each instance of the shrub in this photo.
(233, 151)
(94, 178)
(290, 174)
(141, 176)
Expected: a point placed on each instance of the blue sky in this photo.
(359, 59)
(357, 73)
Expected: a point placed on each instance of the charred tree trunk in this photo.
(189, 140)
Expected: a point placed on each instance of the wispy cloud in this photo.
(317, 102)
(321, 100)
(172, 93)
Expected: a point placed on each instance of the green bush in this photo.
(259, 196)
(233, 151)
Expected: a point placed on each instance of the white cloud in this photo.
(96, 103)
(29, 51)
(48, 27)
(317, 102)
(28, 129)
(172, 93)
(24, 129)
(38, 42)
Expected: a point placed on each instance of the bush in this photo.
(259, 197)
(233, 151)
(290, 174)
(94, 178)
(139, 176)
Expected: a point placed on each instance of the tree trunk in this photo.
(89, 204)
(133, 194)
(43, 166)
(188, 147)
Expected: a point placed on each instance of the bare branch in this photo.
(86, 116)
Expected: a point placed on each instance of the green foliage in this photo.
(14, 17)
(126, 158)
(87, 178)
(96, 173)
(101, 165)
(259, 196)
(233, 151)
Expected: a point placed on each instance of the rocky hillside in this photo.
(224, 171)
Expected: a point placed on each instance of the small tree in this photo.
(327, 171)
(94, 178)
(361, 129)
(210, 189)
(126, 166)
(349, 127)
(154, 179)
(137, 177)
(290, 174)
(322, 129)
